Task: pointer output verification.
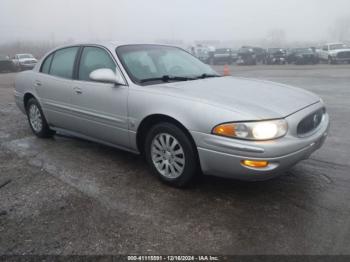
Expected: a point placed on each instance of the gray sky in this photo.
(188, 20)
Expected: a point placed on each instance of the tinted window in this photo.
(94, 58)
(63, 62)
(46, 65)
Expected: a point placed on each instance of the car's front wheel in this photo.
(171, 154)
(37, 119)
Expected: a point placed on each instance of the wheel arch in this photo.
(26, 97)
(151, 120)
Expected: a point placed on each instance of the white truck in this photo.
(334, 53)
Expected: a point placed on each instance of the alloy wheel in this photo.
(35, 118)
(167, 155)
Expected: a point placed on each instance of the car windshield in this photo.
(25, 56)
(337, 46)
(155, 64)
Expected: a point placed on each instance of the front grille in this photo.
(345, 54)
(311, 122)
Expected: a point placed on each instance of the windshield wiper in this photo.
(166, 78)
(207, 76)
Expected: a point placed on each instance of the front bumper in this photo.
(222, 156)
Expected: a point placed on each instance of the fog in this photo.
(175, 20)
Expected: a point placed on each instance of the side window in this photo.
(94, 58)
(63, 62)
(45, 68)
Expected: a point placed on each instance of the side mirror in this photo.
(106, 75)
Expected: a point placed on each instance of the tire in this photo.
(162, 143)
(37, 120)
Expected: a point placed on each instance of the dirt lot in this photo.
(69, 196)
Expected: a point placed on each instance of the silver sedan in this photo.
(164, 103)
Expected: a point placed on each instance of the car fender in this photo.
(24, 85)
(193, 114)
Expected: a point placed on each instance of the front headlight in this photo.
(261, 130)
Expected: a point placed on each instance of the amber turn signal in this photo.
(225, 130)
(255, 163)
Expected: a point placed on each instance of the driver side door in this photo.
(100, 108)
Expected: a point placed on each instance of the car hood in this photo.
(255, 99)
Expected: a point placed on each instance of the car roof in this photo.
(115, 44)
(111, 45)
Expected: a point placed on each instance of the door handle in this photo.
(77, 90)
(37, 83)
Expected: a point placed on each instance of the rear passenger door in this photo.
(54, 86)
(101, 107)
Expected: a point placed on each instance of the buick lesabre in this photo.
(164, 103)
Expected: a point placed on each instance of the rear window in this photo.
(46, 65)
(62, 64)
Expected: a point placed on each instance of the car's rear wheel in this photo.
(171, 154)
(37, 120)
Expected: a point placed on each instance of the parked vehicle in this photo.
(302, 56)
(260, 53)
(6, 64)
(166, 104)
(335, 53)
(201, 52)
(234, 54)
(24, 61)
(246, 56)
(275, 56)
(221, 56)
